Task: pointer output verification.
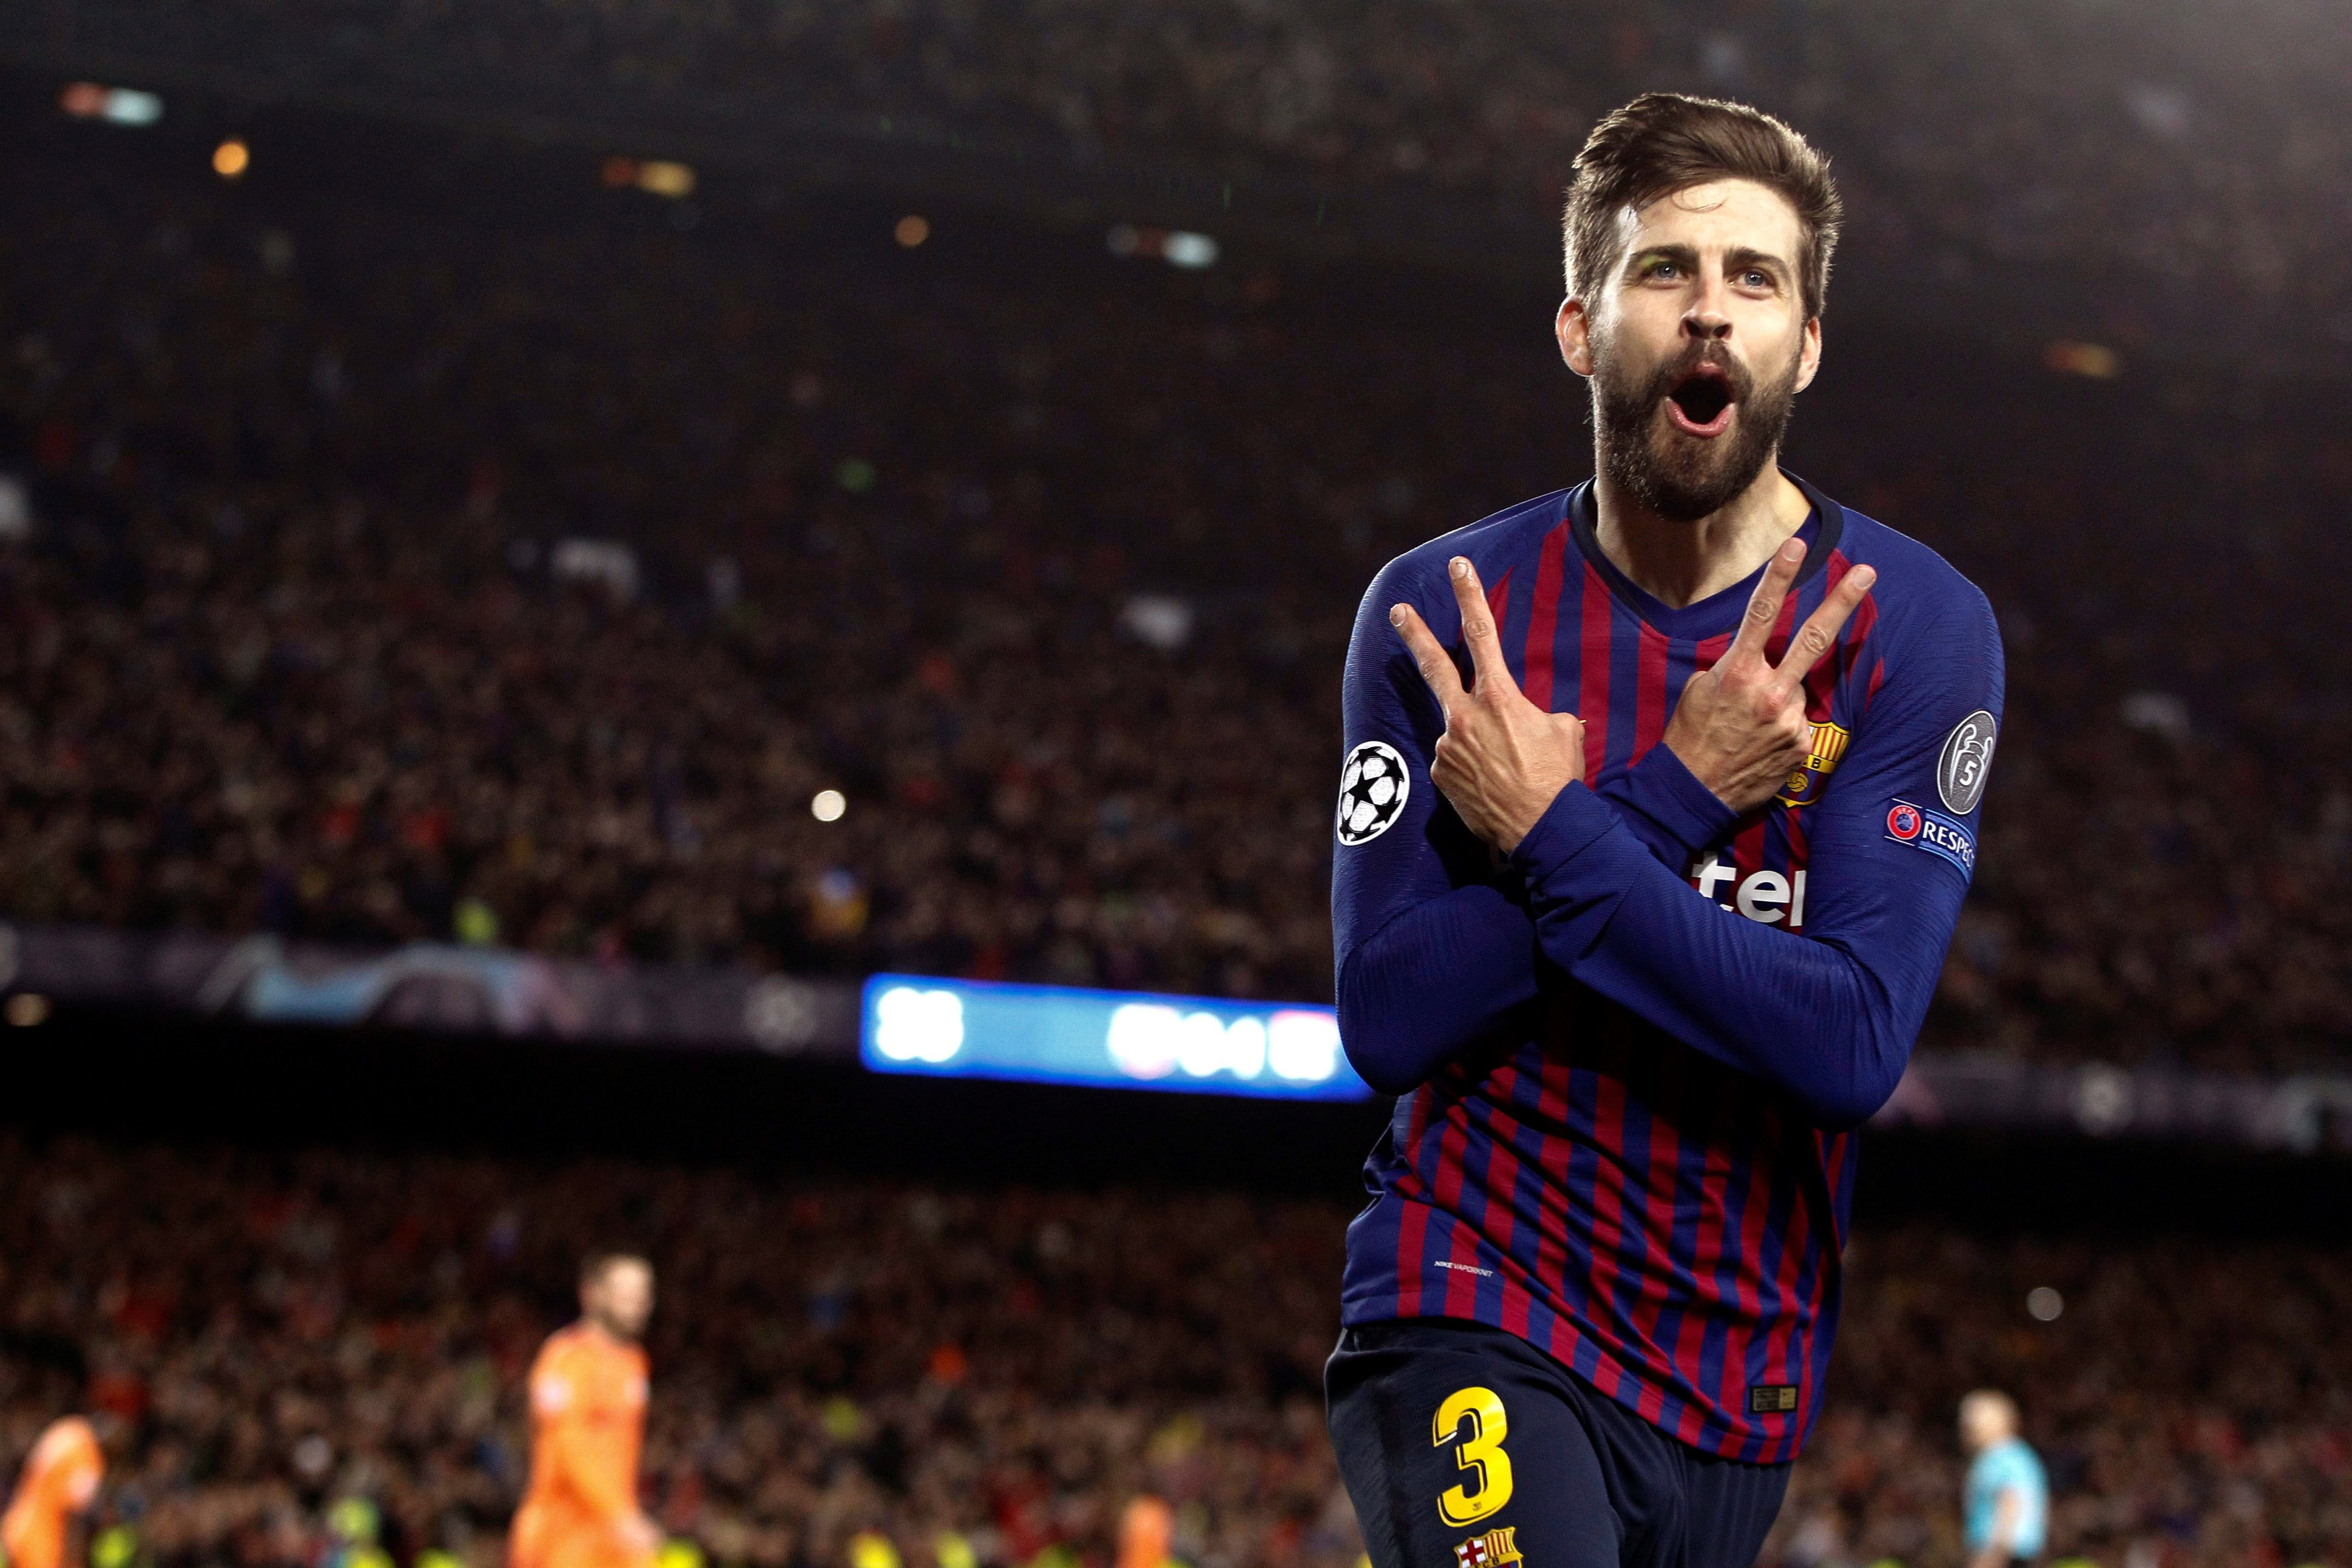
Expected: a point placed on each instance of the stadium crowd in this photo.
(371, 580)
(280, 1332)
(2185, 159)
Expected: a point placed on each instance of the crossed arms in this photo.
(1438, 947)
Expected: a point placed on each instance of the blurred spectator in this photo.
(294, 1334)
(757, 604)
(2193, 165)
(285, 1332)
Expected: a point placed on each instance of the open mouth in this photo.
(1701, 402)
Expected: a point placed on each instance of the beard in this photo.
(1686, 477)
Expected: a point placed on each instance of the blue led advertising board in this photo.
(1117, 1039)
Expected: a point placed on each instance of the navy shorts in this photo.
(1465, 1447)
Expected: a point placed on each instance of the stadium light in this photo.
(16, 510)
(1162, 621)
(115, 105)
(675, 181)
(828, 805)
(1177, 247)
(1183, 249)
(606, 563)
(656, 176)
(231, 158)
(2095, 361)
(912, 230)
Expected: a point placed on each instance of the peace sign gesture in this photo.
(1740, 727)
(1501, 759)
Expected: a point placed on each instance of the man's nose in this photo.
(1707, 319)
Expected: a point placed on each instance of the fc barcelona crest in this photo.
(1803, 785)
(1490, 1550)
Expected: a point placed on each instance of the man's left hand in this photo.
(1502, 759)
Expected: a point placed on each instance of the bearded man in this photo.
(1659, 803)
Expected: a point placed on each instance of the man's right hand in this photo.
(1740, 727)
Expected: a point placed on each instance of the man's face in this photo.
(1980, 1425)
(1696, 345)
(620, 1298)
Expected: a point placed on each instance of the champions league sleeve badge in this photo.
(1966, 758)
(1373, 789)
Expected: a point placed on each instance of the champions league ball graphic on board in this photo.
(1372, 791)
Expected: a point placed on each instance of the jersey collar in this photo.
(1717, 612)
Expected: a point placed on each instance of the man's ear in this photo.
(1574, 329)
(1809, 354)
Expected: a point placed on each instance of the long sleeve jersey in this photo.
(60, 1479)
(588, 1422)
(1630, 1055)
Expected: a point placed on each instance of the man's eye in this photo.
(1757, 280)
(1663, 269)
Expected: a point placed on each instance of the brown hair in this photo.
(1665, 142)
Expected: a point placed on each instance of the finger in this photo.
(1764, 604)
(1822, 627)
(1436, 667)
(1479, 626)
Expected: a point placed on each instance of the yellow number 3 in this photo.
(1481, 1451)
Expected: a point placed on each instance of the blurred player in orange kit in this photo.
(588, 1421)
(1145, 1532)
(59, 1480)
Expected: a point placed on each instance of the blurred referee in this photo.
(2007, 1503)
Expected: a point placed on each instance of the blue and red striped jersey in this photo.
(1630, 1056)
